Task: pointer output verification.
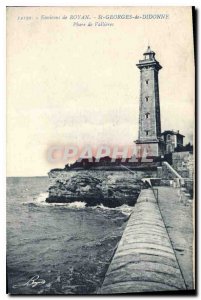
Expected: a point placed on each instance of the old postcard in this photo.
(100, 150)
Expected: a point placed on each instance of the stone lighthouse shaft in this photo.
(149, 134)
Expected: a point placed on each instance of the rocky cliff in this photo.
(110, 188)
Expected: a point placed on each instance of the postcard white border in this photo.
(3, 5)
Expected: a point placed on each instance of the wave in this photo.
(125, 209)
(40, 200)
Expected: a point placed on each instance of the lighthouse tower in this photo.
(149, 134)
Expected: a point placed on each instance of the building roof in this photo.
(172, 132)
(149, 51)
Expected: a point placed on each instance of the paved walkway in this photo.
(144, 260)
(178, 218)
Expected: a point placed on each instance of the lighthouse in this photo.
(149, 133)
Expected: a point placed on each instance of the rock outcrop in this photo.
(95, 187)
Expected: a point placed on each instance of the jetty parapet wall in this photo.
(144, 260)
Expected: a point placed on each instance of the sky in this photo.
(80, 85)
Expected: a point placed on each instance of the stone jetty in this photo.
(145, 260)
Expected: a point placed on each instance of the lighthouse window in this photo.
(147, 115)
(147, 81)
(147, 99)
(147, 132)
(168, 137)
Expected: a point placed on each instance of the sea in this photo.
(57, 248)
